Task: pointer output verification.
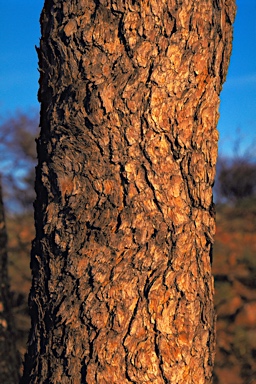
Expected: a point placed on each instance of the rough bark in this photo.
(9, 358)
(122, 286)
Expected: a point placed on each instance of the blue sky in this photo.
(20, 31)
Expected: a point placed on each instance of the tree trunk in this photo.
(122, 286)
(9, 358)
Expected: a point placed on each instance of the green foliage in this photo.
(224, 290)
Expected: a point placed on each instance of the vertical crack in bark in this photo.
(127, 352)
(152, 189)
(159, 356)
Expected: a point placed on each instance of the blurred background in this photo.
(234, 261)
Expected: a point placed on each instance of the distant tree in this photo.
(18, 159)
(236, 179)
(9, 359)
(122, 287)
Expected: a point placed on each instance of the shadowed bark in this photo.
(9, 358)
(122, 286)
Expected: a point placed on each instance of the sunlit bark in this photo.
(122, 286)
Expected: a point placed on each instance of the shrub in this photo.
(236, 179)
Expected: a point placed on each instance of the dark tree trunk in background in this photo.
(9, 358)
(122, 286)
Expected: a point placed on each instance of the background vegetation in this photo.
(234, 260)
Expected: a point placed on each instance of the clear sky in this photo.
(20, 31)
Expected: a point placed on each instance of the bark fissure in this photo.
(159, 356)
(127, 361)
(152, 189)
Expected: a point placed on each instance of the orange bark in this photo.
(122, 287)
